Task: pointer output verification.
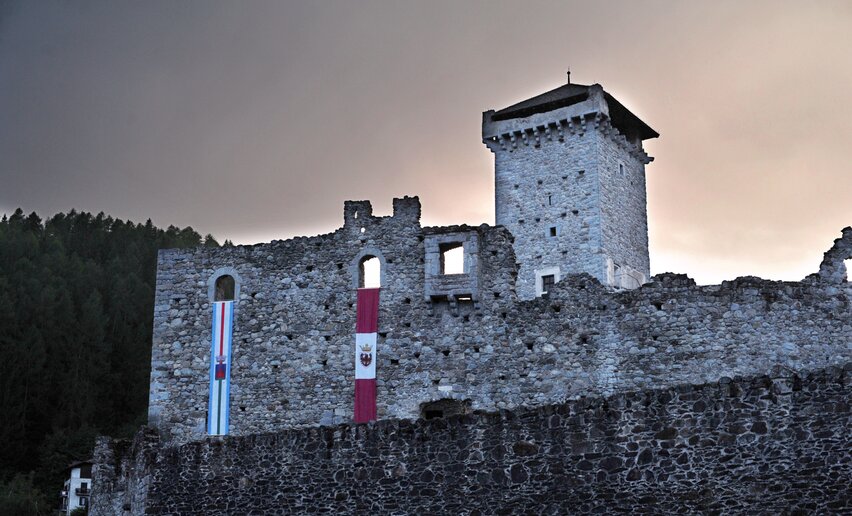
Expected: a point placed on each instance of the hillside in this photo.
(76, 307)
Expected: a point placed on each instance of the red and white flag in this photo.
(366, 325)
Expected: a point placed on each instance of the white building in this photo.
(78, 486)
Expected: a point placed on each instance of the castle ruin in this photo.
(552, 305)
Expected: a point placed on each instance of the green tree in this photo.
(76, 310)
(19, 496)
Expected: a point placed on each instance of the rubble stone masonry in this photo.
(295, 317)
(772, 444)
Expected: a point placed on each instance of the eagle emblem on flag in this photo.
(366, 355)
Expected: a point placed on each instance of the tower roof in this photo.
(569, 94)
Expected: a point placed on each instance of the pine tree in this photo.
(76, 311)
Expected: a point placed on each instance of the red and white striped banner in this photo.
(366, 325)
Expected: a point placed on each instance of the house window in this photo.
(452, 258)
(224, 288)
(547, 283)
(369, 272)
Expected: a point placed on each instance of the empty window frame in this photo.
(452, 258)
(369, 272)
(225, 287)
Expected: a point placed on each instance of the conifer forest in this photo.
(76, 309)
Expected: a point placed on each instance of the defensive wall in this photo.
(463, 338)
(770, 444)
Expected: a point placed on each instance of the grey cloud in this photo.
(256, 120)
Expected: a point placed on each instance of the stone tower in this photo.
(570, 185)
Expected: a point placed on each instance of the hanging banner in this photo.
(220, 368)
(366, 326)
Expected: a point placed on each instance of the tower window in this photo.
(547, 283)
(545, 278)
(549, 200)
(551, 231)
(452, 258)
(621, 168)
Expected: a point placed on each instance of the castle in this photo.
(552, 305)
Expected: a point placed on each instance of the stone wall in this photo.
(553, 184)
(295, 320)
(775, 444)
(623, 210)
(571, 189)
(123, 470)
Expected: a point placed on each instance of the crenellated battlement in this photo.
(466, 336)
(359, 214)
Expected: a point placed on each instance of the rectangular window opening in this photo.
(452, 258)
(547, 283)
(552, 231)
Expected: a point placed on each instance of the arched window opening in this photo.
(848, 264)
(444, 408)
(370, 272)
(452, 258)
(225, 287)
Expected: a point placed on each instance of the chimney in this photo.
(568, 73)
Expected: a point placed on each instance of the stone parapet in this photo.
(774, 444)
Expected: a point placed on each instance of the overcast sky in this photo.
(256, 120)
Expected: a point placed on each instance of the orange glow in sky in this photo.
(256, 121)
